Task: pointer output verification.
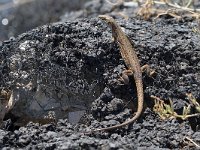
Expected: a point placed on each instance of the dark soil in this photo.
(169, 46)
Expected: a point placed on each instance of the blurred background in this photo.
(19, 16)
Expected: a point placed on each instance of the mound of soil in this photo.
(80, 57)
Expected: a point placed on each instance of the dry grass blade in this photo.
(195, 144)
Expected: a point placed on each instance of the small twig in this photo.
(167, 12)
(198, 146)
(188, 116)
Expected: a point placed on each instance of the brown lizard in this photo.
(131, 60)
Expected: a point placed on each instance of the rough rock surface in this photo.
(54, 72)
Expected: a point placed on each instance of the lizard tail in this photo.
(119, 125)
(138, 113)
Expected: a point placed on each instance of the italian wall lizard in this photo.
(131, 60)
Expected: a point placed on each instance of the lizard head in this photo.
(107, 19)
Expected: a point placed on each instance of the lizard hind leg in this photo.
(124, 76)
(146, 68)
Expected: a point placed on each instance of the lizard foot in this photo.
(124, 76)
(150, 72)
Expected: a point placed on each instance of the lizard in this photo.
(132, 62)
